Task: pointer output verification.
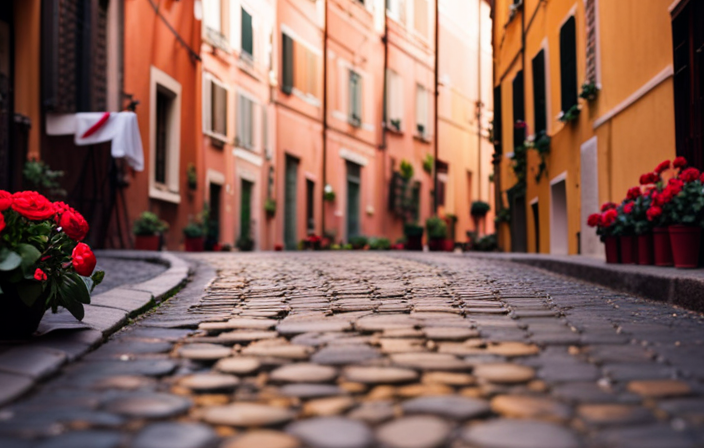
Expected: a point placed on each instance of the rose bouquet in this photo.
(43, 263)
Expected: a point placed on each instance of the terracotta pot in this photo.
(612, 249)
(629, 249)
(436, 245)
(662, 249)
(17, 320)
(645, 249)
(146, 242)
(685, 245)
(448, 245)
(194, 244)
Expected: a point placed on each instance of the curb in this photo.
(684, 288)
(26, 363)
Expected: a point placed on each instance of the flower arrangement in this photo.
(43, 261)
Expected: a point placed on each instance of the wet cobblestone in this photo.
(392, 350)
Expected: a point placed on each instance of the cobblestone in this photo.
(372, 349)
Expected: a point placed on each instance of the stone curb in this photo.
(684, 288)
(27, 363)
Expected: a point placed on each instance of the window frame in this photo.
(208, 122)
(168, 191)
(394, 100)
(355, 95)
(242, 119)
(424, 93)
(244, 54)
(572, 76)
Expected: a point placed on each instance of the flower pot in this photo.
(436, 245)
(146, 242)
(629, 249)
(685, 245)
(414, 242)
(612, 249)
(194, 244)
(662, 249)
(17, 320)
(645, 249)
(448, 245)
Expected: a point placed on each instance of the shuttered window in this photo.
(422, 115)
(568, 64)
(212, 14)
(245, 122)
(394, 100)
(214, 108)
(287, 63)
(498, 117)
(420, 16)
(355, 99)
(519, 131)
(247, 35)
(539, 103)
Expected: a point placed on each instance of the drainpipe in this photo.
(479, 98)
(435, 106)
(383, 144)
(325, 114)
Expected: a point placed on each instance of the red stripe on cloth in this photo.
(99, 124)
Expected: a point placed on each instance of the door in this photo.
(536, 224)
(213, 230)
(558, 217)
(290, 196)
(246, 209)
(519, 221)
(310, 206)
(353, 188)
(589, 197)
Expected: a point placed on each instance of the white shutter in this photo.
(235, 24)
(239, 134)
(212, 14)
(207, 103)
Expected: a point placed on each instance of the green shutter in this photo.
(247, 40)
(286, 63)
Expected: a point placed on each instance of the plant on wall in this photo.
(519, 165)
(428, 163)
(504, 215)
(406, 169)
(270, 207)
(328, 193)
(589, 91)
(541, 144)
(191, 176)
(571, 114)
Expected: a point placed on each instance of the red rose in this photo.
(664, 165)
(83, 260)
(653, 212)
(633, 193)
(690, 175)
(74, 225)
(32, 205)
(39, 275)
(675, 186)
(701, 179)
(594, 220)
(609, 217)
(2, 222)
(643, 180)
(628, 208)
(607, 206)
(5, 200)
(679, 162)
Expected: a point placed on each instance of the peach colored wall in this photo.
(27, 87)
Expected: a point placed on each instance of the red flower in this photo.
(701, 179)
(594, 220)
(653, 212)
(83, 260)
(2, 222)
(690, 175)
(39, 275)
(74, 225)
(609, 217)
(644, 179)
(608, 206)
(5, 200)
(628, 208)
(679, 162)
(32, 205)
(633, 193)
(664, 165)
(675, 186)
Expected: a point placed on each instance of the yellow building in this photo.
(549, 56)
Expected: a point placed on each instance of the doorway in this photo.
(558, 216)
(246, 210)
(589, 191)
(290, 200)
(213, 230)
(536, 224)
(353, 191)
(310, 206)
(519, 221)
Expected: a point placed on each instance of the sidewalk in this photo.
(681, 287)
(61, 338)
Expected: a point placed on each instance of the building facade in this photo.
(585, 95)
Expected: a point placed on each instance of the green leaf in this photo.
(30, 255)
(79, 288)
(88, 282)
(29, 292)
(9, 260)
(97, 278)
(73, 307)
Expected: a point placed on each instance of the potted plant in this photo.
(43, 263)
(358, 242)
(413, 234)
(662, 249)
(589, 91)
(626, 230)
(643, 229)
(380, 244)
(270, 207)
(194, 234)
(428, 163)
(570, 114)
(437, 232)
(245, 243)
(328, 193)
(605, 228)
(312, 242)
(147, 230)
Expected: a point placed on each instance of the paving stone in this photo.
(243, 336)
(449, 333)
(379, 375)
(35, 362)
(650, 436)
(154, 405)
(305, 390)
(209, 382)
(107, 320)
(175, 435)
(204, 352)
(327, 407)
(263, 438)
(304, 373)
(373, 412)
(237, 366)
(83, 439)
(125, 299)
(504, 373)
(246, 415)
(458, 408)
(530, 407)
(660, 388)
(124, 382)
(428, 361)
(613, 414)
(508, 433)
(414, 432)
(288, 351)
(290, 327)
(238, 323)
(344, 354)
(13, 386)
(628, 372)
(512, 349)
(448, 378)
(332, 432)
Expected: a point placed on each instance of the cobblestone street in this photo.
(366, 349)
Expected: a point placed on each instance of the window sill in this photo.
(393, 130)
(423, 138)
(164, 195)
(217, 140)
(217, 40)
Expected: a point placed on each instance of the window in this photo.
(247, 35)
(355, 99)
(265, 133)
(519, 130)
(422, 115)
(539, 103)
(164, 136)
(245, 122)
(397, 10)
(441, 187)
(310, 206)
(498, 125)
(212, 15)
(286, 63)
(420, 17)
(394, 100)
(568, 65)
(300, 68)
(214, 108)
